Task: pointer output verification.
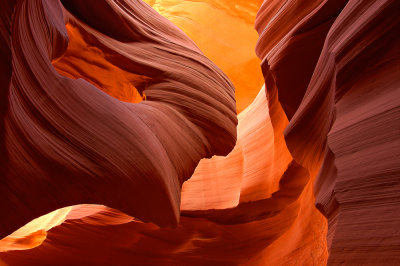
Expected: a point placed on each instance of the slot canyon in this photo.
(200, 132)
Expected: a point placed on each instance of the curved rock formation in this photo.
(224, 31)
(283, 215)
(312, 180)
(334, 70)
(66, 142)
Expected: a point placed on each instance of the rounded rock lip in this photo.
(86, 147)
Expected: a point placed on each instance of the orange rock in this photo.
(224, 31)
(313, 177)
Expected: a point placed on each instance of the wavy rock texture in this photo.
(224, 31)
(320, 139)
(334, 69)
(66, 142)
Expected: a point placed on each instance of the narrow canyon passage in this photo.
(202, 132)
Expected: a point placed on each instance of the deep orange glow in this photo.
(224, 31)
(82, 60)
(34, 233)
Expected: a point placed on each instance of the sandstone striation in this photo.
(125, 123)
(66, 142)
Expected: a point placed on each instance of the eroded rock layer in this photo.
(224, 31)
(312, 179)
(334, 69)
(66, 142)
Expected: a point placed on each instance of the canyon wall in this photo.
(126, 112)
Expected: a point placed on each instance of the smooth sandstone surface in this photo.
(66, 142)
(224, 31)
(335, 72)
(313, 176)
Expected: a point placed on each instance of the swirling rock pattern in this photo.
(224, 31)
(67, 142)
(334, 70)
(313, 178)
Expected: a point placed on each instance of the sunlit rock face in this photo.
(224, 31)
(312, 174)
